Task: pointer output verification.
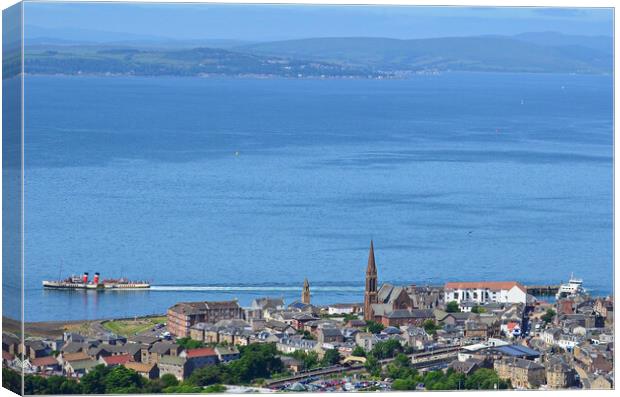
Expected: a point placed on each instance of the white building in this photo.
(551, 336)
(343, 308)
(568, 342)
(483, 292)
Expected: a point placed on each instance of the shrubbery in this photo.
(256, 361)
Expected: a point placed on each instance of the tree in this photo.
(215, 389)
(310, 360)
(258, 360)
(452, 307)
(12, 380)
(122, 380)
(401, 368)
(478, 309)
(373, 366)
(486, 379)
(374, 327)
(183, 388)
(358, 352)
(189, 343)
(430, 327)
(169, 380)
(205, 376)
(404, 384)
(94, 381)
(386, 349)
(331, 357)
(548, 316)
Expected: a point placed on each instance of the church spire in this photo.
(370, 293)
(372, 267)
(305, 294)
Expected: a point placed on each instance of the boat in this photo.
(574, 287)
(97, 284)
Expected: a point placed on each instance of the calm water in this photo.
(224, 188)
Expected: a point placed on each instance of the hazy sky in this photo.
(273, 22)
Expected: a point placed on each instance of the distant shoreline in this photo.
(278, 77)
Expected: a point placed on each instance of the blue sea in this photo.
(240, 188)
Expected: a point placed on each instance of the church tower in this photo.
(305, 294)
(370, 294)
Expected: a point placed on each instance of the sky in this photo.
(281, 22)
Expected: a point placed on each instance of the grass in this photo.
(132, 327)
(81, 328)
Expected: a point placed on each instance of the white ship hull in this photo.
(96, 287)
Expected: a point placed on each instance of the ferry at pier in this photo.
(574, 287)
(97, 284)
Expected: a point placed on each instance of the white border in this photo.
(481, 3)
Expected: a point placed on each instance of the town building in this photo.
(524, 374)
(559, 374)
(401, 317)
(198, 358)
(153, 353)
(227, 353)
(174, 365)
(149, 371)
(344, 308)
(183, 315)
(484, 292)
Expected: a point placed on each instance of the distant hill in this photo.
(100, 60)
(484, 53)
(603, 44)
(545, 52)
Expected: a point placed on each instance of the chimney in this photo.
(85, 278)
(96, 279)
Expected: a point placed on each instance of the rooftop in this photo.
(116, 360)
(200, 352)
(491, 285)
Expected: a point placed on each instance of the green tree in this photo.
(548, 316)
(121, 380)
(12, 381)
(452, 307)
(310, 360)
(434, 380)
(386, 349)
(258, 360)
(189, 343)
(374, 327)
(373, 366)
(183, 388)
(358, 352)
(485, 379)
(205, 376)
(331, 357)
(430, 327)
(401, 368)
(169, 380)
(404, 384)
(94, 381)
(215, 389)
